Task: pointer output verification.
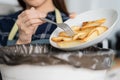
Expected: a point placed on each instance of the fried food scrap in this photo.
(87, 32)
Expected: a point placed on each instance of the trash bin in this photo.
(44, 62)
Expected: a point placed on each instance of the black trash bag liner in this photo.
(45, 55)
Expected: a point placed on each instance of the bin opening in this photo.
(44, 55)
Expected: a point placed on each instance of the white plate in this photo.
(111, 19)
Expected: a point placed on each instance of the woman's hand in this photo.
(73, 15)
(28, 21)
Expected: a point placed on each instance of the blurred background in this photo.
(78, 6)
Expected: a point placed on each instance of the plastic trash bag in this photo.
(45, 55)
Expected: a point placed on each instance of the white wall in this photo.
(13, 2)
(78, 6)
(9, 6)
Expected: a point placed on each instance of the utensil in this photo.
(63, 26)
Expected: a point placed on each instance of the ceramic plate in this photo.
(111, 19)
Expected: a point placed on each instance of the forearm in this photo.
(24, 39)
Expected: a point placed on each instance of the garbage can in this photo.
(44, 62)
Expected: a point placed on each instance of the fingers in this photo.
(28, 21)
(31, 14)
(28, 15)
(73, 15)
(30, 18)
(33, 22)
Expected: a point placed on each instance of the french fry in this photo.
(91, 36)
(88, 28)
(82, 36)
(93, 30)
(75, 28)
(57, 39)
(101, 29)
(93, 23)
(66, 44)
(86, 31)
(67, 39)
(78, 36)
(63, 34)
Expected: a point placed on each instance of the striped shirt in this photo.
(43, 32)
